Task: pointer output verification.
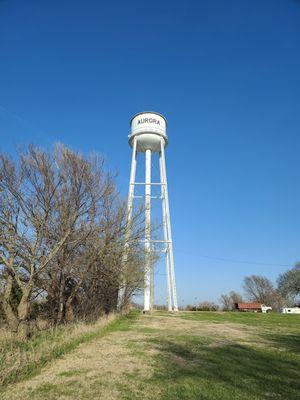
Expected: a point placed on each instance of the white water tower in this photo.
(149, 135)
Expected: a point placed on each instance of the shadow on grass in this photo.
(192, 370)
(289, 342)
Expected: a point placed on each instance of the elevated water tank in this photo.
(149, 128)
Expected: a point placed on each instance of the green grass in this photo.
(183, 356)
(252, 319)
(73, 372)
(224, 372)
(265, 365)
(51, 391)
(258, 319)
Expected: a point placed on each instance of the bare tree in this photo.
(289, 283)
(229, 300)
(225, 302)
(59, 218)
(28, 242)
(259, 288)
(84, 188)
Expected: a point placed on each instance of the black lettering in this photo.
(148, 120)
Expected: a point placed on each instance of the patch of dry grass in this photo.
(20, 359)
(99, 368)
(232, 331)
(5, 336)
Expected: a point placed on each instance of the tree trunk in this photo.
(10, 316)
(69, 315)
(23, 313)
(60, 313)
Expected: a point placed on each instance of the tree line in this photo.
(259, 289)
(62, 232)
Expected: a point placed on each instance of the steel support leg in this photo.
(166, 237)
(147, 283)
(171, 255)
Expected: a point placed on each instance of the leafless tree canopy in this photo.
(289, 283)
(260, 289)
(62, 229)
(229, 300)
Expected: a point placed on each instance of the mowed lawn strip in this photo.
(186, 355)
(20, 360)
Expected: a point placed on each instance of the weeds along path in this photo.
(176, 356)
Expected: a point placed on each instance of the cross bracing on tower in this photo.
(148, 136)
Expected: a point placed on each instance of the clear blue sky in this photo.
(227, 76)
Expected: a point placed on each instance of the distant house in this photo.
(250, 307)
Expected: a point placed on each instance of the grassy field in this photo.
(187, 355)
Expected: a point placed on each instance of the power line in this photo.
(240, 261)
